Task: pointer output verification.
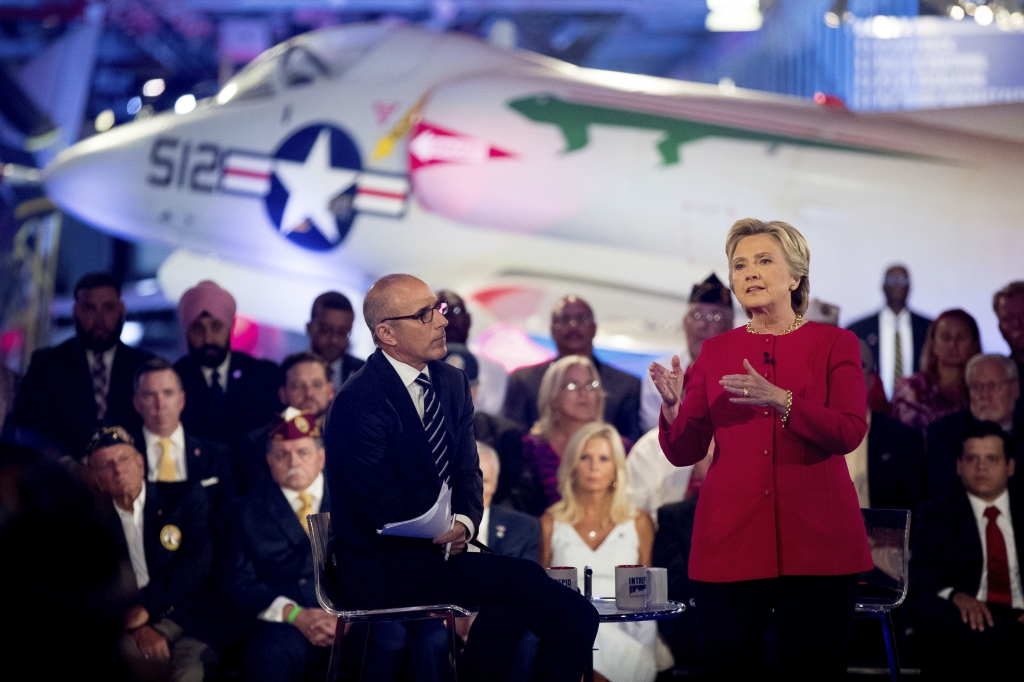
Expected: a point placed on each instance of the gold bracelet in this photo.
(789, 406)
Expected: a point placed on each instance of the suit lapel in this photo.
(284, 516)
(398, 396)
(82, 379)
(197, 462)
(154, 519)
(1017, 514)
(973, 556)
(120, 378)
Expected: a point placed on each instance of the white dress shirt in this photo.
(888, 321)
(132, 524)
(155, 451)
(653, 480)
(857, 463)
(223, 376)
(336, 377)
(274, 612)
(408, 375)
(485, 525)
(1005, 523)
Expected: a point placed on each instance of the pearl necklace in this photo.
(793, 327)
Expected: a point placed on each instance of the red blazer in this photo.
(777, 500)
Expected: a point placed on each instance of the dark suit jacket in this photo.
(895, 464)
(513, 533)
(380, 470)
(621, 405)
(268, 554)
(56, 400)
(205, 460)
(943, 448)
(179, 579)
(251, 399)
(506, 437)
(672, 551)
(867, 329)
(350, 364)
(946, 549)
(250, 461)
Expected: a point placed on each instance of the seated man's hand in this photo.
(151, 643)
(136, 617)
(316, 625)
(972, 611)
(457, 536)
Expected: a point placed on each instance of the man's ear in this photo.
(1011, 466)
(282, 395)
(385, 334)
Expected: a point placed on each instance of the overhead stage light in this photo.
(983, 15)
(134, 104)
(105, 121)
(154, 87)
(956, 12)
(185, 104)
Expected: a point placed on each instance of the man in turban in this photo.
(227, 392)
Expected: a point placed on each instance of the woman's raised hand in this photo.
(753, 389)
(669, 383)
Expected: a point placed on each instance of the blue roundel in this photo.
(313, 187)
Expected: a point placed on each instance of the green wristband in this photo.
(291, 616)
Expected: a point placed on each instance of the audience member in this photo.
(505, 530)
(10, 382)
(994, 390)
(653, 480)
(594, 525)
(570, 397)
(1009, 307)
(573, 329)
(86, 381)
(709, 314)
(306, 385)
(672, 552)
(819, 311)
(171, 455)
(493, 379)
(167, 539)
(328, 329)
(940, 387)
(877, 402)
(895, 334)
(965, 580)
(887, 467)
(227, 392)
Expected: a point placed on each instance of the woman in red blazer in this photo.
(778, 526)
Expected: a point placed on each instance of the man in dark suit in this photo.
(170, 453)
(895, 322)
(573, 329)
(227, 392)
(328, 329)
(400, 430)
(167, 539)
(504, 530)
(305, 386)
(994, 391)
(84, 382)
(965, 580)
(1008, 304)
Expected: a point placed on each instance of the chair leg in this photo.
(332, 667)
(365, 665)
(449, 624)
(895, 674)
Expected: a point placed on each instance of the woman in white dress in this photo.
(595, 524)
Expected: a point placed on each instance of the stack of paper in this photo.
(431, 524)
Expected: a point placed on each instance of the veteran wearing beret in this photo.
(167, 540)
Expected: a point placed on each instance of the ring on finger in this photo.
(745, 393)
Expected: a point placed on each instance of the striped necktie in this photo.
(433, 424)
(99, 385)
(897, 361)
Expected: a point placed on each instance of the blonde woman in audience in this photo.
(595, 524)
(570, 396)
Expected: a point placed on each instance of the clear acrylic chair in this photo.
(319, 535)
(884, 587)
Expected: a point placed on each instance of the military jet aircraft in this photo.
(349, 152)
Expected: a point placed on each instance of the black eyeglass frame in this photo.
(422, 315)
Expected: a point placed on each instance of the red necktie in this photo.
(998, 564)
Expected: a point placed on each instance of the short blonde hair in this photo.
(794, 250)
(568, 509)
(552, 383)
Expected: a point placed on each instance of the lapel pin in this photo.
(170, 537)
(159, 512)
(196, 452)
(499, 532)
(236, 375)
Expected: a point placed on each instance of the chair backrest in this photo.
(885, 586)
(319, 538)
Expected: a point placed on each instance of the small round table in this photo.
(608, 612)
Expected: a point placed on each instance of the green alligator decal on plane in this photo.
(575, 120)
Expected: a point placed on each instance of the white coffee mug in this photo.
(631, 587)
(657, 586)
(567, 575)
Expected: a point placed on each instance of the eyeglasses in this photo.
(573, 386)
(698, 316)
(580, 319)
(425, 316)
(987, 387)
(897, 281)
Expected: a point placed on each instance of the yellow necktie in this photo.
(305, 510)
(166, 472)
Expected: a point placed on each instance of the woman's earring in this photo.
(615, 484)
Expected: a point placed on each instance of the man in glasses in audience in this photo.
(573, 328)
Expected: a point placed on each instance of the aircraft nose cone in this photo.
(101, 180)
